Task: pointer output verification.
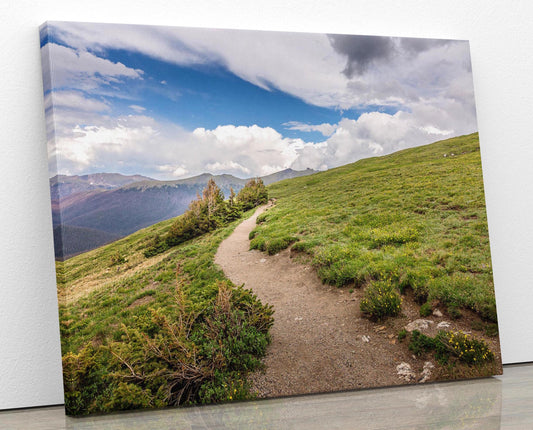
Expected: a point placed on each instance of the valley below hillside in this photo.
(92, 210)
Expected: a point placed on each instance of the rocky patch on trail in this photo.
(426, 371)
(437, 313)
(406, 373)
(428, 327)
(419, 324)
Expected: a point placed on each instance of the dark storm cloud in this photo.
(417, 45)
(361, 51)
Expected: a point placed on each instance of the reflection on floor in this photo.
(504, 402)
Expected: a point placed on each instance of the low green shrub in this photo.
(84, 379)
(186, 352)
(156, 245)
(402, 334)
(465, 347)
(447, 345)
(127, 396)
(303, 246)
(426, 310)
(454, 312)
(252, 234)
(490, 329)
(420, 343)
(392, 236)
(417, 280)
(272, 246)
(258, 242)
(261, 218)
(224, 388)
(381, 300)
(279, 244)
(174, 357)
(117, 258)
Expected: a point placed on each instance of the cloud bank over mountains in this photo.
(372, 96)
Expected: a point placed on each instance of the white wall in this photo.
(501, 38)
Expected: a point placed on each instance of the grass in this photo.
(114, 302)
(133, 326)
(415, 218)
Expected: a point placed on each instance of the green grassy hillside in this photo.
(171, 329)
(415, 218)
(154, 332)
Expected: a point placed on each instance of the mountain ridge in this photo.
(113, 205)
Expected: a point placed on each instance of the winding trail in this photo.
(317, 343)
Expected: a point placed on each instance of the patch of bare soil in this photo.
(320, 340)
(142, 301)
(104, 278)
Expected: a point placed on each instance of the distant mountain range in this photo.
(91, 210)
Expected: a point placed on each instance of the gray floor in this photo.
(504, 402)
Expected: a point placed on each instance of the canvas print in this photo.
(251, 214)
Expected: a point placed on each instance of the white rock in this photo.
(262, 260)
(437, 313)
(418, 324)
(405, 372)
(443, 325)
(426, 371)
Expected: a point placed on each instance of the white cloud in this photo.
(431, 87)
(429, 129)
(324, 128)
(65, 110)
(226, 166)
(313, 72)
(177, 171)
(139, 144)
(74, 100)
(259, 150)
(378, 133)
(157, 42)
(137, 108)
(304, 65)
(83, 70)
(93, 145)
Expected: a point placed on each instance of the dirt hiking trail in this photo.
(317, 336)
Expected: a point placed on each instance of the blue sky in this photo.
(208, 96)
(175, 102)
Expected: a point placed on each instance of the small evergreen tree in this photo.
(208, 212)
(205, 213)
(233, 211)
(232, 196)
(213, 199)
(253, 194)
